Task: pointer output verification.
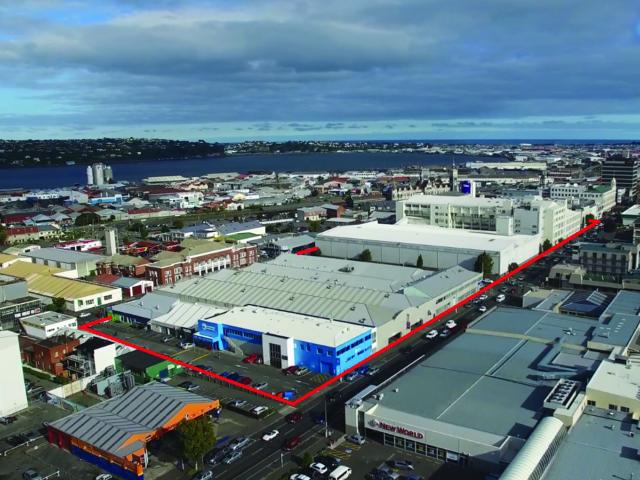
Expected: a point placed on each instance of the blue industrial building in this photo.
(285, 339)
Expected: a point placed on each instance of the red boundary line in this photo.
(87, 327)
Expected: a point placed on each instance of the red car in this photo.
(253, 358)
(290, 370)
(291, 444)
(294, 417)
(245, 381)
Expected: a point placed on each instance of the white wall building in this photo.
(441, 248)
(14, 396)
(47, 324)
(463, 212)
(552, 220)
(603, 196)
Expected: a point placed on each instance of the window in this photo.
(613, 407)
(624, 409)
(591, 403)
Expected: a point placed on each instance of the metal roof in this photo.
(109, 425)
(530, 456)
(598, 446)
(152, 305)
(186, 315)
(63, 255)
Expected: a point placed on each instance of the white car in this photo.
(258, 410)
(501, 298)
(187, 345)
(431, 334)
(483, 297)
(482, 309)
(104, 476)
(270, 435)
(319, 467)
(299, 476)
(85, 315)
(451, 324)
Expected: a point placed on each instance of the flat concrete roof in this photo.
(47, 318)
(291, 325)
(459, 200)
(427, 235)
(599, 446)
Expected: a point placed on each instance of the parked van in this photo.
(500, 298)
(340, 473)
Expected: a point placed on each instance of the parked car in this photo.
(286, 394)
(294, 417)
(319, 419)
(328, 460)
(291, 443)
(84, 314)
(319, 467)
(104, 476)
(290, 370)
(260, 386)
(445, 333)
(270, 435)
(31, 474)
(239, 443)
(501, 298)
(484, 297)
(301, 371)
(373, 370)
(245, 380)
(482, 308)
(400, 464)
(8, 420)
(357, 439)
(253, 358)
(451, 324)
(232, 457)
(167, 339)
(259, 409)
(187, 345)
(299, 476)
(363, 369)
(189, 386)
(237, 403)
(351, 376)
(431, 334)
(235, 376)
(204, 475)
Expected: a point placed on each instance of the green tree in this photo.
(546, 245)
(58, 304)
(139, 228)
(348, 200)
(165, 229)
(177, 223)
(420, 261)
(314, 226)
(609, 225)
(307, 459)
(513, 266)
(590, 217)
(3, 235)
(365, 256)
(87, 218)
(196, 438)
(484, 264)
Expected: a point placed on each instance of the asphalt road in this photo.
(258, 456)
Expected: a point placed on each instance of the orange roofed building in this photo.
(114, 434)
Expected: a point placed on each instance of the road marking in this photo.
(201, 357)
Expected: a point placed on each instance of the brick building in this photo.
(48, 355)
(123, 265)
(198, 257)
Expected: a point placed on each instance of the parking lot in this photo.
(218, 361)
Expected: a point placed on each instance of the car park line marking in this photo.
(201, 357)
(338, 378)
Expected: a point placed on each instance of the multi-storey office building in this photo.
(602, 196)
(625, 171)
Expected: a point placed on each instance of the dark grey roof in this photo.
(150, 306)
(138, 360)
(109, 425)
(235, 227)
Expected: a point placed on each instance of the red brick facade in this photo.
(232, 257)
(47, 355)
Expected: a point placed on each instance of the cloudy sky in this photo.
(273, 69)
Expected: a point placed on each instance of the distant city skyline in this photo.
(362, 69)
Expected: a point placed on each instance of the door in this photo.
(275, 355)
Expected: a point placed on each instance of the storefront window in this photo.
(410, 445)
(400, 442)
(432, 451)
(388, 440)
(441, 454)
(421, 449)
